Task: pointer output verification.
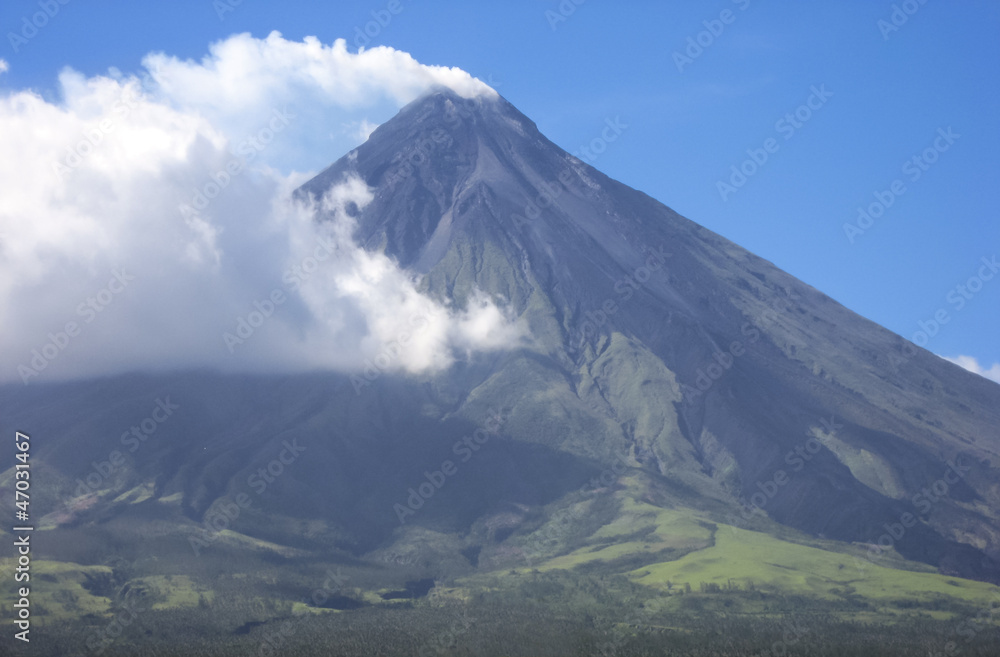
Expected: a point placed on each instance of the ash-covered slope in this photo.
(701, 376)
(707, 364)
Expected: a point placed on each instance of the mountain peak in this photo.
(435, 126)
(443, 151)
(483, 109)
(715, 361)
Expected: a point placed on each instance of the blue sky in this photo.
(892, 92)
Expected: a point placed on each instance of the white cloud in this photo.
(4, 66)
(243, 79)
(152, 214)
(970, 363)
(365, 129)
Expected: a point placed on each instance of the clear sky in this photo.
(698, 85)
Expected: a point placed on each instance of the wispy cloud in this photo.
(365, 128)
(152, 212)
(242, 78)
(972, 364)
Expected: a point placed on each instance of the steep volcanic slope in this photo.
(713, 378)
(740, 364)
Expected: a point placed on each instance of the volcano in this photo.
(675, 395)
(713, 367)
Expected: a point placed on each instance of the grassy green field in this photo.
(747, 557)
(703, 555)
(603, 562)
